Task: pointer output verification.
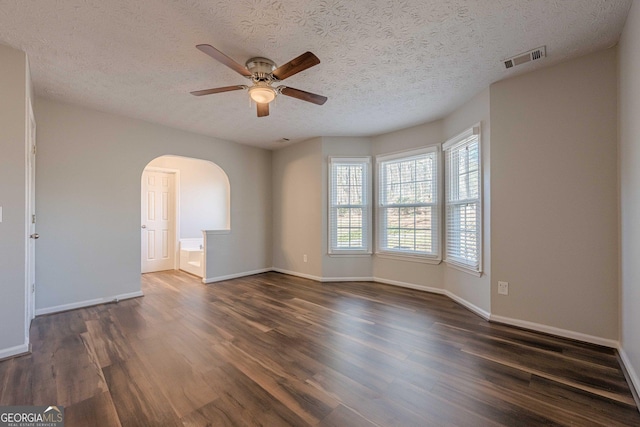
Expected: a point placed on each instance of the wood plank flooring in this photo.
(276, 350)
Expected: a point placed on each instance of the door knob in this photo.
(144, 226)
(35, 236)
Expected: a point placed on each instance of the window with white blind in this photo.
(349, 205)
(408, 208)
(463, 196)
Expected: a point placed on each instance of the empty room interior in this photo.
(434, 225)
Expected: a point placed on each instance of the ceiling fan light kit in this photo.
(263, 73)
(262, 93)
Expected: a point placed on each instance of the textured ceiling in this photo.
(384, 65)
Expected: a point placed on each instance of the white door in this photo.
(158, 221)
(30, 287)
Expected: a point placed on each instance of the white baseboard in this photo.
(323, 279)
(565, 333)
(409, 285)
(87, 303)
(295, 273)
(472, 307)
(631, 372)
(469, 306)
(235, 275)
(463, 302)
(346, 279)
(17, 350)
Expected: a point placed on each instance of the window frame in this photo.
(332, 228)
(451, 144)
(430, 258)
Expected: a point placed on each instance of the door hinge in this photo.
(33, 219)
(33, 288)
(35, 150)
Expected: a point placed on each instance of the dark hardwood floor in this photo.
(275, 350)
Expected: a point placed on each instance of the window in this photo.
(408, 206)
(349, 205)
(463, 193)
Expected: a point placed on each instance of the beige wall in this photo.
(629, 133)
(13, 231)
(341, 266)
(550, 229)
(397, 270)
(476, 290)
(554, 219)
(89, 173)
(297, 208)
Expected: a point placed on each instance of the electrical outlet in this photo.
(304, 257)
(503, 288)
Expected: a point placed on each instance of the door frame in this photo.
(30, 252)
(176, 198)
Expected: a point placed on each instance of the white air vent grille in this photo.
(523, 58)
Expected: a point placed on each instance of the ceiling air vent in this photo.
(523, 58)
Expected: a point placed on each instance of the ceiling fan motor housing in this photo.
(261, 68)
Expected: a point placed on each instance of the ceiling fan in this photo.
(263, 74)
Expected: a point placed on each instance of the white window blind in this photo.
(463, 195)
(349, 205)
(408, 205)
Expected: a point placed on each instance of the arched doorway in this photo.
(181, 197)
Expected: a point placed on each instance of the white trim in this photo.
(411, 152)
(450, 144)
(348, 252)
(30, 224)
(346, 279)
(437, 206)
(235, 275)
(295, 273)
(323, 279)
(348, 159)
(565, 333)
(461, 137)
(88, 303)
(349, 255)
(463, 302)
(633, 375)
(466, 304)
(408, 257)
(469, 306)
(367, 199)
(409, 285)
(17, 350)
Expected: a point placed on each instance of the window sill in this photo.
(463, 268)
(409, 258)
(349, 254)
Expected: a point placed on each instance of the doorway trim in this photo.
(30, 276)
(176, 198)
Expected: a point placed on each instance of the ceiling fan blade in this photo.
(221, 57)
(217, 90)
(263, 109)
(301, 63)
(305, 96)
